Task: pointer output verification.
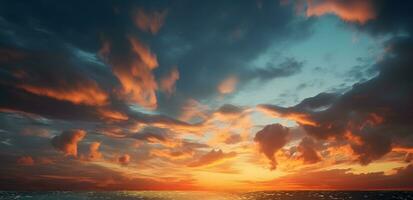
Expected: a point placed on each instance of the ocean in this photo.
(195, 195)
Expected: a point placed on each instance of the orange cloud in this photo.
(147, 57)
(25, 160)
(167, 83)
(138, 82)
(300, 118)
(150, 22)
(359, 11)
(228, 85)
(67, 141)
(403, 149)
(212, 157)
(87, 93)
(94, 153)
(124, 159)
(112, 115)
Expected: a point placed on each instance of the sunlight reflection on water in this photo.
(182, 195)
(193, 195)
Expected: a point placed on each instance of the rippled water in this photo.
(178, 195)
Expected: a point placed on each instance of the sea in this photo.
(201, 195)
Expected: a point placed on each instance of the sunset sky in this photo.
(206, 95)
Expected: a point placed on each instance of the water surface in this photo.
(192, 195)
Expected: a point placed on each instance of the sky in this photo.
(206, 95)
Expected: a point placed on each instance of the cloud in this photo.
(124, 159)
(270, 139)
(233, 139)
(212, 157)
(173, 154)
(352, 11)
(25, 161)
(37, 73)
(94, 153)
(75, 175)
(409, 157)
(88, 94)
(67, 141)
(280, 112)
(68, 79)
(228, 85)
(307, 151)
(228, 109)
(45, 161)
(182, 150)
(371, 121)
(135, 74)
(150, 21)
(112, 115)
(154, 135)
(73, 90)
(35, 132)
(288, 67)
(393, 16)
(168, 82)
(257, 30)
(193, 109)
(344, 179)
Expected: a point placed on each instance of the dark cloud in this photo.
(373, 116)
(288, 67)
(308, 152)
(154, 135)
(210, 42)
(392, 17)
(270, 139)
(230, 109)
(83, 78)
(38, 75)
(188, 31)
(148, 135)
